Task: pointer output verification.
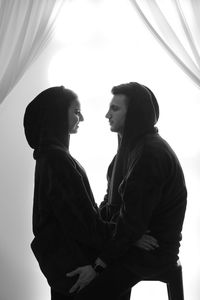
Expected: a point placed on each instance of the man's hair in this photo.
(130, 90)
(124, 89)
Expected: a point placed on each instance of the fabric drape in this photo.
(176, 25)
(26, 27)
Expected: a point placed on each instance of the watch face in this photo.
(99, 269)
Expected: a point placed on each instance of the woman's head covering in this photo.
(46, 118)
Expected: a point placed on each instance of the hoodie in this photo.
(65, 215)
(146, 188)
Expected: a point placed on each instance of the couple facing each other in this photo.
(99, 252)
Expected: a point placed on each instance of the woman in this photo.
(66, 223)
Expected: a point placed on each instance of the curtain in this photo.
(176, 25)
(26, 27)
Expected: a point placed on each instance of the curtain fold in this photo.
(26, 27)
(184, 45)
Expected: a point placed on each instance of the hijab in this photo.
(46, 119)
(141, 117)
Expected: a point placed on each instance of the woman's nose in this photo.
(107, 115)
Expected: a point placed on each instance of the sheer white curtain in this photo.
(176, 24)
(26, 27)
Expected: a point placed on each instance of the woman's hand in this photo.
(147, 242)
(86, 275)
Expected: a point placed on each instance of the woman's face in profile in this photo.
(74, 116)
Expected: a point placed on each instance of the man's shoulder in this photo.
(152, 147)
(156, 144)
(158, 150)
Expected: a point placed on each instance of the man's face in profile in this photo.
(117, 113)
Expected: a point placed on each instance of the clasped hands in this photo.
(87, 273)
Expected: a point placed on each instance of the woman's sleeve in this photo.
(141, 192)
(71, 205)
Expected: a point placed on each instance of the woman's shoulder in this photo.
(59, 156)
(59, 162)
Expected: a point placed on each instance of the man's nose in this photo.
(81, 118)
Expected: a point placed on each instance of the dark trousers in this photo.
(57, 296)
(113, 284)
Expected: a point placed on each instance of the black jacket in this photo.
(153, 197)
(66, 221)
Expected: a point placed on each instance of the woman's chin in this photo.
(112, 129)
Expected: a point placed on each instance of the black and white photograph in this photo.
(100, 149)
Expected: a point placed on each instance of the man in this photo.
(146, 193)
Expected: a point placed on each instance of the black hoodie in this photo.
(65, 215)
(148, 191)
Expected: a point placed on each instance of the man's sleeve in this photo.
(141, 192)
(103, 207)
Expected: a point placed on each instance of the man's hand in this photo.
(147, 242)
(86, 275)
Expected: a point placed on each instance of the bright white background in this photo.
(95, 47)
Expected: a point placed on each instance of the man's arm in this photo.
(140, 195)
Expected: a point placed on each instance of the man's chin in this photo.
(74, 131)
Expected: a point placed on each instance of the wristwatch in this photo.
(99, 269)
